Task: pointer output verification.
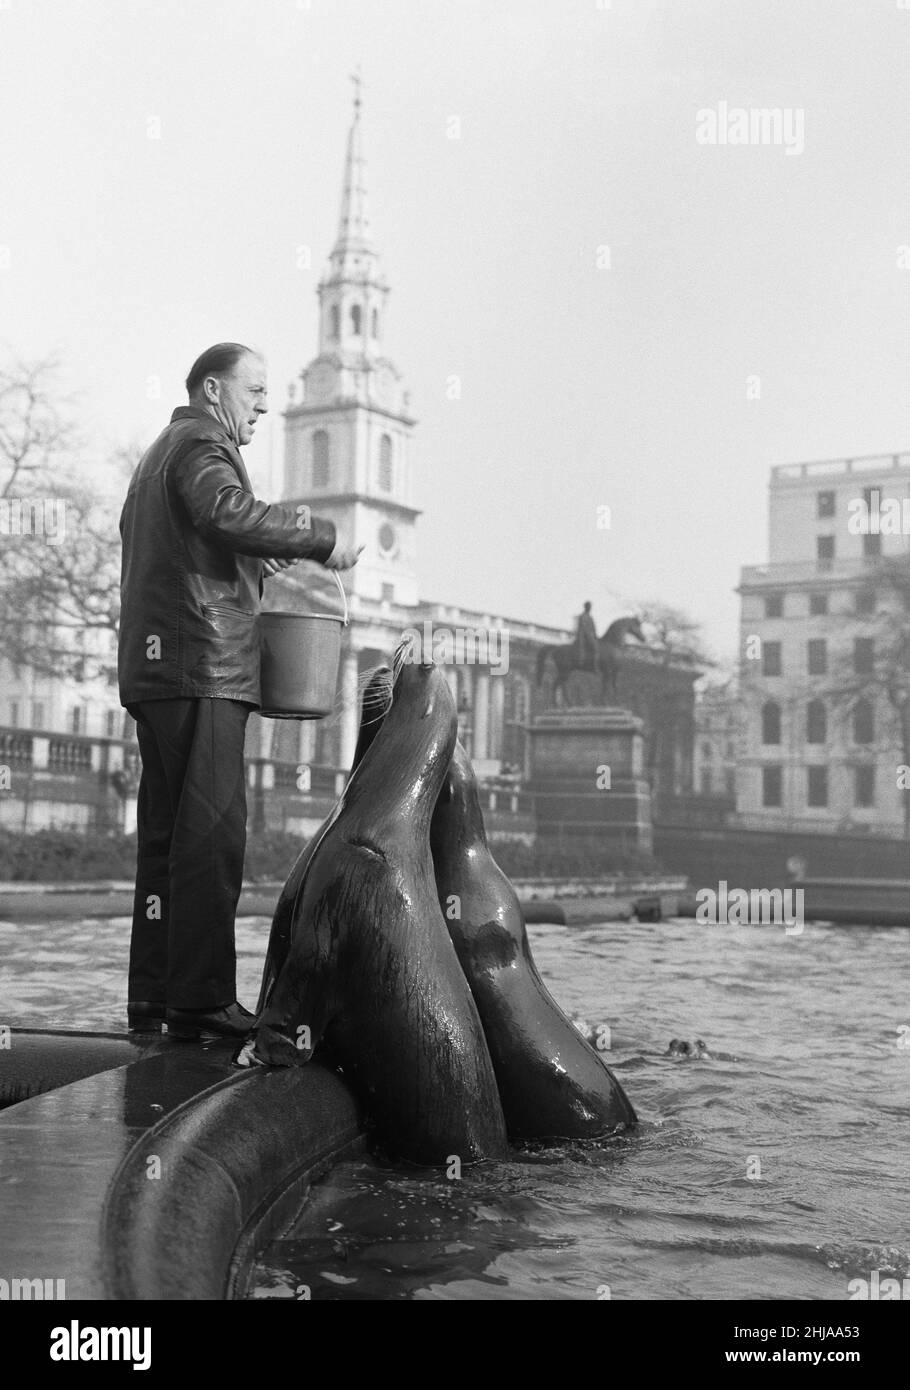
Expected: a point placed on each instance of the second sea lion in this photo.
(552, 1083)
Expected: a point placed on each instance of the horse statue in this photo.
(606, 664)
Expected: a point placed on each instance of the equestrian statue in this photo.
(588, 652)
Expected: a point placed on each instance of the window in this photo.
(14, 713)
(335, 319)
(355, 318)
(824, 550)
(770, 722)
(818, 605)
(111, 722)
(774, 605)
(863, 722)
(320, 458)
(817, 656)
(865, 601)
(76, 720)
(707, 750)
(771, 786)
(37, 714)
(824, 505)
(388, 593)
(707, 781)
(375, 328)
(816, 722)
(863, 655)
(771, 661)
(864, 785)
(872, 546)
(731, 751)
(729, 782)
(385, 463)
(817, 786)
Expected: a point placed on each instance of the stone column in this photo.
(306, 748)
(481, 713)
(497, 719)
(350, 709)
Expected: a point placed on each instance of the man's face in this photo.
(239, 399)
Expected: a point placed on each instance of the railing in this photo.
(793, 571)
(15, 749)
(97, 774)
(827, 468)
(56, 751)
(69, 754)
(287, 777)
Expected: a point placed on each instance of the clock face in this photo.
(387, 538)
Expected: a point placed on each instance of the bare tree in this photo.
(676, 632)
(59, 547)
(35, 430)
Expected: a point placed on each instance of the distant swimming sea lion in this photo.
(679, 1047)
(552, 1083)
(370, 965)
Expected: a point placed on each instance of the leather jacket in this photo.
(194, 538)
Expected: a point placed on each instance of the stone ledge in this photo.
(238, 1152)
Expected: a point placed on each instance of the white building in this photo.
(349, 450)
(822, 682)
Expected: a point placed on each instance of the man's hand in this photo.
(272, 567)
(343, 557)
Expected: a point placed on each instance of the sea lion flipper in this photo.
(297, 1014)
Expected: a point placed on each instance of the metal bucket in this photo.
(298, 661)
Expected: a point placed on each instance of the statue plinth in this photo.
(587, 776)
(584, 690)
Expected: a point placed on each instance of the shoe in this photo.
(144, 1016)
(229, 1021)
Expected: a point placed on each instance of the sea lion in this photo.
(377, 697)
(371, 966)
(552, 1083)
(696, 1051)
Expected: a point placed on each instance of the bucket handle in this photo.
(344, 597)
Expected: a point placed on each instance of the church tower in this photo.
(348, 436)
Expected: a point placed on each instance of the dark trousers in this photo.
(192, 836)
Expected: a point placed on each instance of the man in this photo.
(586, 640)
(197, 545)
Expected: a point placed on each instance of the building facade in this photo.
(824, 650)
(718, 727)
(349, 437)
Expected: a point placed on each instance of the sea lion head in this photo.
(408, 756)
(681, 1048)
(377, 697)
(458, 819)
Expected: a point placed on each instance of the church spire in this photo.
(355, 237)
(353, 291)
